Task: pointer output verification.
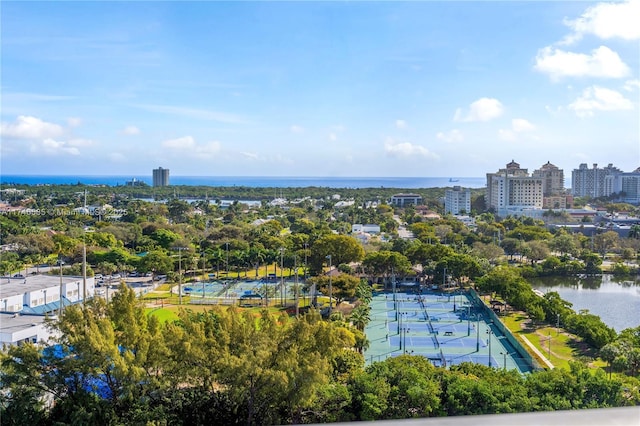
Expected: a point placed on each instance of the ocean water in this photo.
(256, 181)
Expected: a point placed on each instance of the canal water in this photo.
(616, 300)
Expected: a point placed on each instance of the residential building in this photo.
(558, 202)
(626, 185)
(586, 182)
(511, 190)
(402, 200)
(457, 200)
(552, 179)
(160, 177)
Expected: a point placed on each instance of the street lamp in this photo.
(444, 277)
(180, 274)
(60, 262)
(330, 288)
(297, 293)
(281, 276)
(306, 245)
(227, 244)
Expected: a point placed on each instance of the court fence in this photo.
(497, 322)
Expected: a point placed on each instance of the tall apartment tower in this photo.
(160, 177)
(586, 182)
(552, 179)
(512, 188)
(625, 185)
(457, 200)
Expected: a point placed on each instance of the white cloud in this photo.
(80, 142)
(208, 149)
(597, 98)
(185, 142)
(296, 129)
(602, 62)
(27, 127)
(131, 130)
(51, 147)
(518, 125)
(251, 155)
(406, 149)
(484, 109)
(189, 148)
(333, 137)
(521, 125)
(401, 124)
(606, 21)
(74, 121)
(454, 135)
(631, 85)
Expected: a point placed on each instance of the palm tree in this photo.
(360, 317)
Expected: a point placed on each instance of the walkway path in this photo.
(537, 352)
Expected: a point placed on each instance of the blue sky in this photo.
(318, 88)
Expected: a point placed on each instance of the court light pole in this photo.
(504, 355)
(489, 332)
(478, 334)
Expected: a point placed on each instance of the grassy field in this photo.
(565, 347)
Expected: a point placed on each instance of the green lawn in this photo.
(163, 314)
(565, 347)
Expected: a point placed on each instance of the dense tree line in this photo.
(113, 364)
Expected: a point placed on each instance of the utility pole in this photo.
(330, 288)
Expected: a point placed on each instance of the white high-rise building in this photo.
(457, 200)
(586, 182)
(626, 185)
(512, 189)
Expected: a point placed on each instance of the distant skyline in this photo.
(364, 89)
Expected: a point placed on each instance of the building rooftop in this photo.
(10, 286)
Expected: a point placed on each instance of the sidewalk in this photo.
(537, 352)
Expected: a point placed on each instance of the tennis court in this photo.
(447, 329)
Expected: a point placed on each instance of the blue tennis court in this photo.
(446, 329)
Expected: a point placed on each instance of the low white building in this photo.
(402, 200)
(26, 301)
(17, 328)
(357, 228)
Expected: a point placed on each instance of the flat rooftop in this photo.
(10, 286)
